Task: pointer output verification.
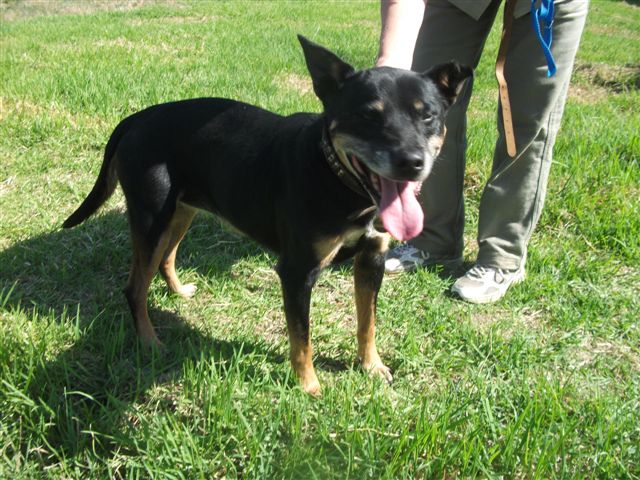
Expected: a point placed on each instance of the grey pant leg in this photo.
(447, 34)
(514, 195)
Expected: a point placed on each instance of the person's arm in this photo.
(401, 21)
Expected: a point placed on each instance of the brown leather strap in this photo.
(502, 82)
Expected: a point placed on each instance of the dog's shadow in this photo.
(96, 380)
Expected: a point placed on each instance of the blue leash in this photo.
(544, 14)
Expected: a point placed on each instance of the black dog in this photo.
(306, 186)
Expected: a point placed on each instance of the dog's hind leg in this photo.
(144, 265)
(151, 207)
(368, 273)
(297, 282)
(177, 228)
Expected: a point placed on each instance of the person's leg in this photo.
(513, 198)
(447, 34)
(514, 195)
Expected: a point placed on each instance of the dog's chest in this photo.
(328, 247)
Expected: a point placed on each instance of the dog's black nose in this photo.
(412, 161)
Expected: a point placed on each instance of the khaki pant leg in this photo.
(514, 195)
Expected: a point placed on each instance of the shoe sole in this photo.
(494, 297)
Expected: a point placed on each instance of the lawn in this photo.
(543, 384)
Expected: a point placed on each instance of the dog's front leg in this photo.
(297, 282)
(368, 273)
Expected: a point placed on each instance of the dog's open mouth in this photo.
(400, 212)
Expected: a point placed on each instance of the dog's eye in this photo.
(427, 117)
(373, 111)
(421, 109)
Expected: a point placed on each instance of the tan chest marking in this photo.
(327, 248)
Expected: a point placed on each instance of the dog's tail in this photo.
(105, 183)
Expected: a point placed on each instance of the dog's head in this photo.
(387, 125)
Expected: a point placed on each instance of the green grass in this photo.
(544, 384)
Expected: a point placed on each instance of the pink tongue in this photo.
(400, 211)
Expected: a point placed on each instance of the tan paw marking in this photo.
(187, 291)
(377, 369)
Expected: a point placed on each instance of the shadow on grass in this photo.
(89, 394)
(88, 265)
(85, 394)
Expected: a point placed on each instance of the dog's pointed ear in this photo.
(450, 78)
(327, 71)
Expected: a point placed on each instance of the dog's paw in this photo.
(379, 370)
(313, 389)
(151, 341)
(187, 290)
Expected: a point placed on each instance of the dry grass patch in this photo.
(10, 106)
(592, 349)
(596, 80)
(525, 320)
(614, 30)
(300, 84)
(155, 47)
(20, 10)
(483, 321)
(587, 94)
(172, 20)
(506, 322)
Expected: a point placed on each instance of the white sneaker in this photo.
(407, 258)
(485, 284)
